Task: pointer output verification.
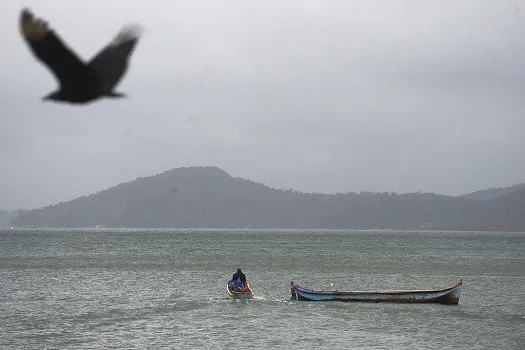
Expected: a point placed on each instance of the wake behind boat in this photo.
(449, 295)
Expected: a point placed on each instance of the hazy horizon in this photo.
(319, 96)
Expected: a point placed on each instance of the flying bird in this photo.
(79, 82)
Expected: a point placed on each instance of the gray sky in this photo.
(325, 96)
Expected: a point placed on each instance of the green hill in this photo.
(495, 192)
(207, 197)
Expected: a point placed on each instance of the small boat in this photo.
(449, 295)
(245, 294)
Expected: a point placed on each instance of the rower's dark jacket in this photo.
(239, 275)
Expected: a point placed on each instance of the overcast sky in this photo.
(324, 96)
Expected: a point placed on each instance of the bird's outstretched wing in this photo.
(49, 48)
(111, 63)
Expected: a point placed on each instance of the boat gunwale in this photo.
(240, 293)
(375, 292)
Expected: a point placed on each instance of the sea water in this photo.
(158, 289)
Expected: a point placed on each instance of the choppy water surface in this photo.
(167, 289)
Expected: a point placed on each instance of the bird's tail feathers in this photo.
(116, 94)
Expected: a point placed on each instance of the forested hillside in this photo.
(207, 197)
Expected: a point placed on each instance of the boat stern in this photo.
(452, 298)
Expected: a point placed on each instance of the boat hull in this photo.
(448, 296)
(247, 294)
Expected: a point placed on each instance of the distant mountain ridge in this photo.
(208, 197)
(495, 192)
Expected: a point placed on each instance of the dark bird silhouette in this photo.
(79, 82)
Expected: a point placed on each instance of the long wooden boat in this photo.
(246, 294)
(449, 295)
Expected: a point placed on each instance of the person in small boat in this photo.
(239, 279)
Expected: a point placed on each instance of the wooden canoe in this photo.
(246, 294)
(449, 295)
